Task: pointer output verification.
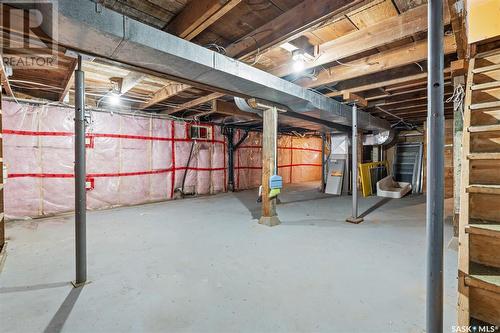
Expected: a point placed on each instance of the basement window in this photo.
(200, 132)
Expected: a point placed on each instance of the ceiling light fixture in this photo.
(298, 60)
(114, 99)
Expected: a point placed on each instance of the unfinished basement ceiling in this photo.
(398, 87)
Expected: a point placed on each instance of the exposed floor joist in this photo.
(164, 93)
(387, 31)
(288, 26)
(378, 62)
(199, 15)
(384, 82)
(193, 103)
(5, 79)
(67, 81)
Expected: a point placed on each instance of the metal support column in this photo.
(354, 158)
(435, 169)
(323, 162)
(80, 175)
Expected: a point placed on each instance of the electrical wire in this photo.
(457, 98)
(217, 47)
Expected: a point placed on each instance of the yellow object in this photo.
(365, 176)
(274, 192)
(483, 20)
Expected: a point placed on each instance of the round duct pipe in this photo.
(243, 105)
(379, 138)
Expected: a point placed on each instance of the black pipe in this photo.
(230, 159)
(187, 168)
(231, 148)
(245, 135)
(80, 175)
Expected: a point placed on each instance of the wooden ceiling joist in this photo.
(458, 27)
(385, 32)
(406, 98)
(164, 93)
(379, 84)
(67, 80)
(5, 79)
(199, 15)
(289, 25)
(378, 62)
(194, 103)
(353, 98)
(130, 81)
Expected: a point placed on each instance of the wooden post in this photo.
(269, 140)
(458, 110)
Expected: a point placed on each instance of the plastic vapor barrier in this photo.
(299, 160)
(130, 160)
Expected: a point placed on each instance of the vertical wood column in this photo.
(269, 141)
(458, 110)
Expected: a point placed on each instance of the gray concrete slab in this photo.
(205, 265)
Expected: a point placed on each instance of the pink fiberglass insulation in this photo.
(130, 160)
(299, 160)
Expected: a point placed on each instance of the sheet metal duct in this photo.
(379, 138)
(90, 28)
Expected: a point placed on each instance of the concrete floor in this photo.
(205, 265)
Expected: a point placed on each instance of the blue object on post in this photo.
(275, 181)
(275, 185)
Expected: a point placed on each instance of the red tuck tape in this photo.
(90, 142)
(108, 135)
(91, 176)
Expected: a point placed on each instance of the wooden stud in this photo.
(458, 26)
(458, 110)
(458, 67)
(463, 237)
(353, 98)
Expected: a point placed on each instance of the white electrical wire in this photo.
(457, 98)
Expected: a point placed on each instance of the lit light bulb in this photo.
(114, 99)
(298, 65)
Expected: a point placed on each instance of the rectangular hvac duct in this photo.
(88, 27)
